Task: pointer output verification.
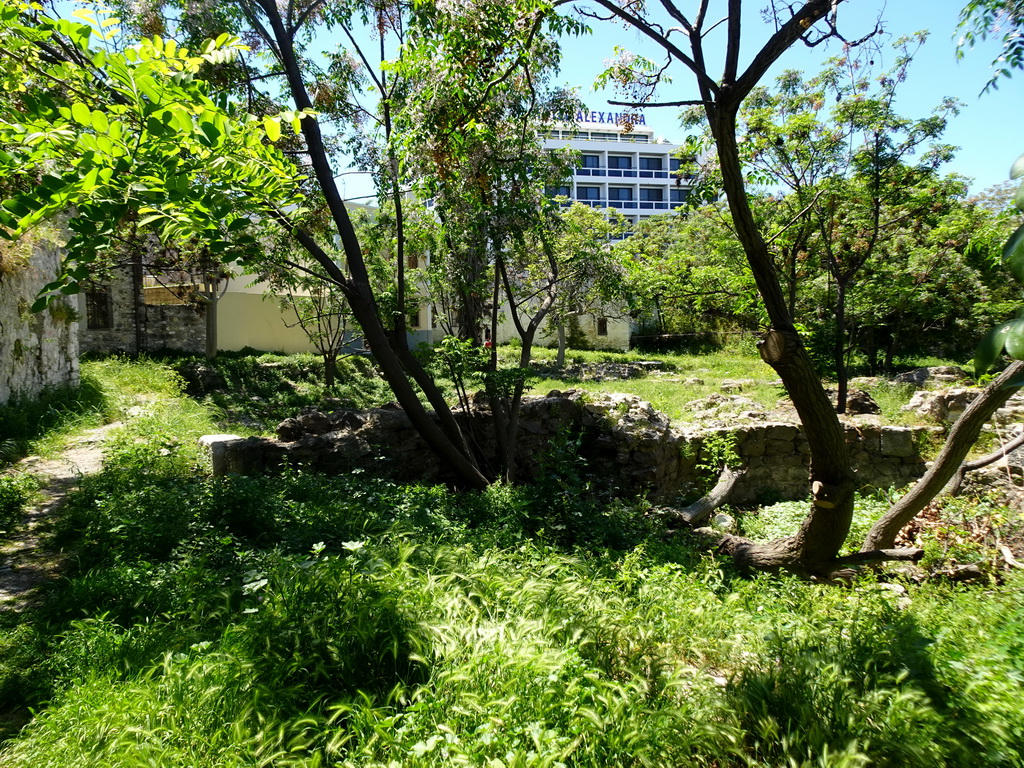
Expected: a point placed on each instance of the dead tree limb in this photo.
(970, 466)
(701, 509)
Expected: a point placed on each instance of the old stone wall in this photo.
(176, 326)
(623, 441)
(131, 324)
(37, 351)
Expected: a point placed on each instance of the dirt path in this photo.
(25, 561)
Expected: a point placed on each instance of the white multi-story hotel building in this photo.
(633, 171)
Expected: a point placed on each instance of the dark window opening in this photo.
(97, 309)
(591, 161)
(602, 326)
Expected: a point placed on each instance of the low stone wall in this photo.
(37, 351)
(624, 442)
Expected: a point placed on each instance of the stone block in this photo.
(213, 452)
(898, 441)
(778, 447)
(787, 432)
(753, 448)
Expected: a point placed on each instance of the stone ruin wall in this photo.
(37, 351)
(623, 440)
(135, 326)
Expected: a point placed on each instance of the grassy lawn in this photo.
(302, 620)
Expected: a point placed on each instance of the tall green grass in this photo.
(300, 620)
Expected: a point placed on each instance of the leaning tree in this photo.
(688, 36)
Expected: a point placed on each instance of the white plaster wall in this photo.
(617, 338)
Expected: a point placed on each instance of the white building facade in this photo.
(631, 171)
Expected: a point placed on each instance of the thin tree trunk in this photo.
(839, 350)
(330, 370)
(560, 357)
(444, 435)
(961, 438)
(212, 298)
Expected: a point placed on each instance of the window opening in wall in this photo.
(679, 195)
(98, 316)
(602, 326)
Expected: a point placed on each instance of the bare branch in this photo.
(691, 103)
(655, 33)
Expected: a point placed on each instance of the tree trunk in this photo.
(716, 497)
(560, 357)
(839, 350)
(822, 534)
(963, 435)
(953, 488)
(330, 370)
(211, 320)
(396, 362)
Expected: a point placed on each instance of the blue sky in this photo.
(987, 129)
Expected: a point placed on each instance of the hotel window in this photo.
(564, 191)
(650, 163)
(591, 161)
(620, 193)
(588, 193)
(652, 195)
(678, 196)
(673, 164)
(615, 161)
(97, 309)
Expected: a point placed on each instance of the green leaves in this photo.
(1009, 336)
(1017, 169)
(142, 136)
(1013, 254)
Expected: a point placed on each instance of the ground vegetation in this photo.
(303, 620)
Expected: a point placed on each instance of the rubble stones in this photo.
(939, 375)
(944, 406)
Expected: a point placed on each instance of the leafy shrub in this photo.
(15, 492)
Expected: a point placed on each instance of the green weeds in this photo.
(301, 620)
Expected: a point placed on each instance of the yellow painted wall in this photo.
(246, 320)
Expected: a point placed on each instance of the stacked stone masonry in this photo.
(38, 351)
(625, 442)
